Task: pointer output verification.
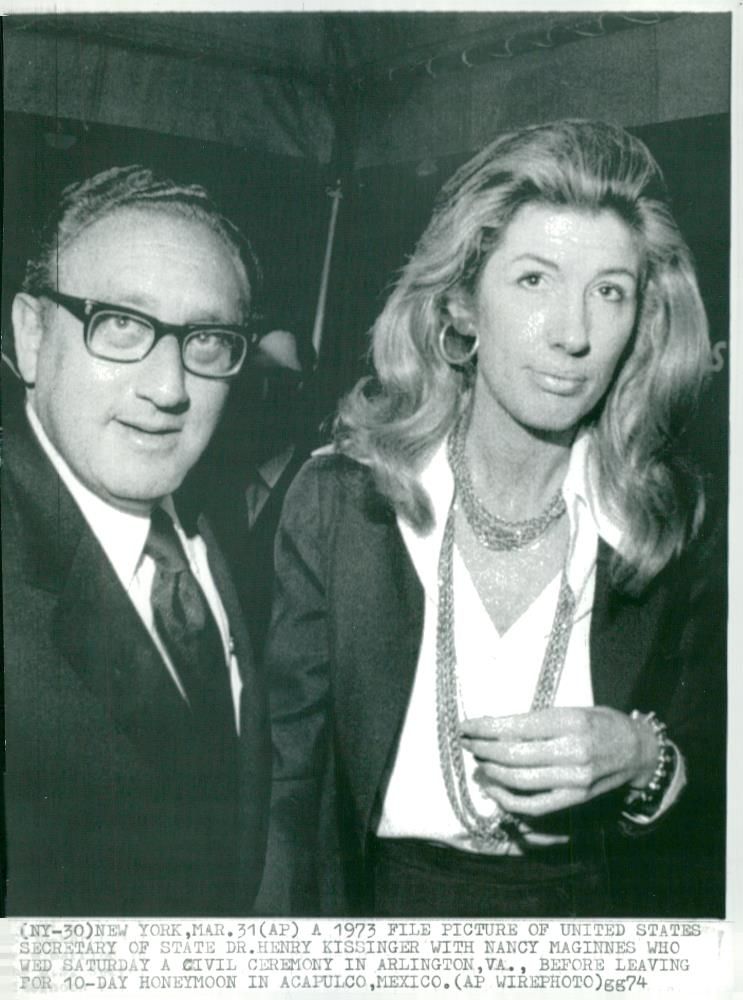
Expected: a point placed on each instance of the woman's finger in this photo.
(537, 804)
(529, 753)
(530, 779)
(538, 725)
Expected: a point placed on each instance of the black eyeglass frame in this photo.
(86, 310)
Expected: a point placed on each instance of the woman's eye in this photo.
(612, 293)
(531, 280)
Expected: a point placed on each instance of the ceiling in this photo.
(325, 48)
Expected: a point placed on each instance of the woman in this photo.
(492, 662)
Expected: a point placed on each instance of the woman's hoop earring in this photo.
(464, 358)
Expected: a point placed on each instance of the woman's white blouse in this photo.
(497, 673)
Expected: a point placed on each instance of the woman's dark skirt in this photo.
(415, 878)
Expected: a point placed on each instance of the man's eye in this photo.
(118, 331)
(208, 345)
(121, 324)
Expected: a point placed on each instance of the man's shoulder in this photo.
(28, 478)
(24, 460)
(41, 524)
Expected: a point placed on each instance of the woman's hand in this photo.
(554, 758)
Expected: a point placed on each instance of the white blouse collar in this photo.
(589, 520)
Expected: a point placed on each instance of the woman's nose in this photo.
(571, 326)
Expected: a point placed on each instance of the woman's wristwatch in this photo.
(646, 800)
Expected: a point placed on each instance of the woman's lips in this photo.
(559, 383)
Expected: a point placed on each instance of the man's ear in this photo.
(28, 332)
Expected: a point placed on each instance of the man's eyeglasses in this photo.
(124, 335)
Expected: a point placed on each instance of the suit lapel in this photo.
(252, 708)
(623, 634)
(107, 645)
(255, 742)
(383, 606)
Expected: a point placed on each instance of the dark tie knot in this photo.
(163, 544)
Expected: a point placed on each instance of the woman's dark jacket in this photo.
(342, 654)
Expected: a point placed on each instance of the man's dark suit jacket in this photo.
(342, 653)
(107, 808)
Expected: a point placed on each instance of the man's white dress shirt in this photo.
(263, 481)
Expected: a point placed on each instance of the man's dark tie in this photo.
(187, 629)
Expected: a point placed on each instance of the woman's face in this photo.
(554, 308)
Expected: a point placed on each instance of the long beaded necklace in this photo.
(500, 825)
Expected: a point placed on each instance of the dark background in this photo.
(283, 205)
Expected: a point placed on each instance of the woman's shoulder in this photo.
(329, 480)
(330, 469)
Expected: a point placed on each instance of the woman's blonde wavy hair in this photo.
(393, 421)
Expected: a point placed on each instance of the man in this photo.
(284, 444)
(137, 748)
(244, 478)
(277, 358)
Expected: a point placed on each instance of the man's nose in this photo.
(161, 377)
(571, 326)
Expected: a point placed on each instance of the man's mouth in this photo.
(151, 430)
